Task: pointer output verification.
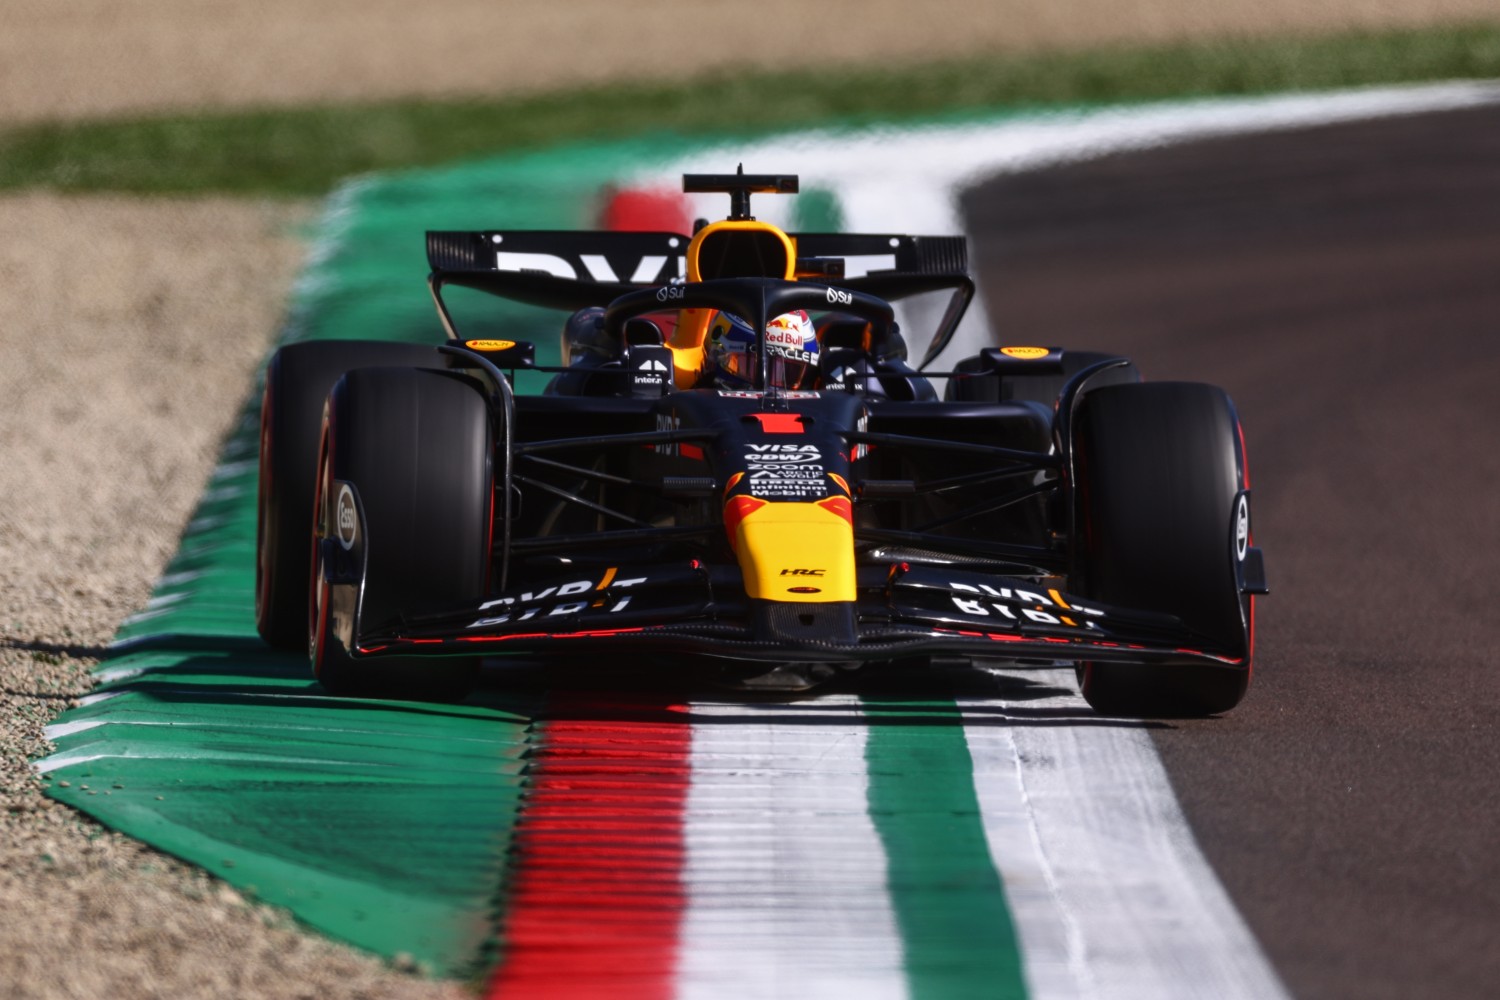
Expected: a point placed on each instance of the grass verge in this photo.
(305, 151)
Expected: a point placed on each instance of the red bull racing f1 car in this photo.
(739, 465)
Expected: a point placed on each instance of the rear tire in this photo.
(298, 379)
(416, 446)
(1159, 468)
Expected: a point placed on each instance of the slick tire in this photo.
(298, 379)
(1159, 467)
(415, 446)
(1042, 389)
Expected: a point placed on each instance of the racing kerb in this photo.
(950, 837)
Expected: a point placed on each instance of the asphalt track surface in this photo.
(1343, 284)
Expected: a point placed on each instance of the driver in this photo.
(791, 353)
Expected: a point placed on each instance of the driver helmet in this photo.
(791, 352)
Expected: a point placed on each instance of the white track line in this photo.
(1111, 895)
(909, 179)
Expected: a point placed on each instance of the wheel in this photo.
(411, 451)
(1042, 389)
(1159, 470)
(298, 378)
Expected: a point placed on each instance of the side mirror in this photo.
(641, 332)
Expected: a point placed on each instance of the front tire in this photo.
(298, 378)
(1159, 470)
(415, 447)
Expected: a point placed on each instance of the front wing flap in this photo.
(697, 610)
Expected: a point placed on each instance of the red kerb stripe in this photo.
(595, 897)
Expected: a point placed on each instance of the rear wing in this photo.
(571, 270)
(556, 269)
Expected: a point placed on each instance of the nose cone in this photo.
(794, 552)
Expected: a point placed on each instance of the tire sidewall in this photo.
(416, 447)
(298, 379)
(1159, 469)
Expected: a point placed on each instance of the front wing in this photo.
(695, 610)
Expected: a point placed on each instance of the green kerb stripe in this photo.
(949, 901)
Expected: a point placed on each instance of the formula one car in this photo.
(736, 467)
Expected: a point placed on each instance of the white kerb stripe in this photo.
(1111, 896)
(785, 873)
